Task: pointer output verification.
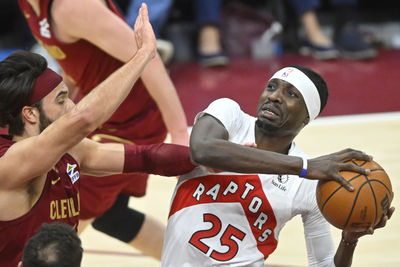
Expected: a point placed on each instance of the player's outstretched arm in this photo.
(99, 159)
(209, 146)
(43, 151)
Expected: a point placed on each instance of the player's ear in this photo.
(19, 264)
(30, 114)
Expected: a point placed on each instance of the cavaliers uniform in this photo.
(136, 121)
(233, 219)
(59, 202)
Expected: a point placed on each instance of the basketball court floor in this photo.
(363, 112)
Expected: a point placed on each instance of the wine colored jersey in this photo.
(233, 219)
(136, 121)
(138, 117)
(59, 202)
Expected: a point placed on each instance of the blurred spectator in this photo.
(14, 33)
(158, 14)
(209, 46)
(55, 244)
(347, 38)
(212, 41)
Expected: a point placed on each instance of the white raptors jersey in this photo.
(232, 219)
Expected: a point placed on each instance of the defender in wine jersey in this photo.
(90, 40)
(234, 218)
(42, 158)
(59, 201)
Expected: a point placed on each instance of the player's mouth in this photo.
(270, 112)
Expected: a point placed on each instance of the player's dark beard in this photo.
(266, 127)
(44, 121)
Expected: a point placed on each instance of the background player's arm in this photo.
(34, 156)
(209, 146)
(73, 89)
(94, 22)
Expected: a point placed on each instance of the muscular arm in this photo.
(39, 154)
(209, 146)
(94, 22)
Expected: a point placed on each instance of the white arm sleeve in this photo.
(319, 242)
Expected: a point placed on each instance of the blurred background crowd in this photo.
(213, 31)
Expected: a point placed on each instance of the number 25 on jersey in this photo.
(226, 238)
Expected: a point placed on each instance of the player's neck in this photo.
(273, 145)
(35, 6)
(30, 132)
(273, 141)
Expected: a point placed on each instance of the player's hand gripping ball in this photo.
(364, 207)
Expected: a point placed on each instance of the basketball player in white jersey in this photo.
(234, 218)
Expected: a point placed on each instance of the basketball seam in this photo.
(355, 163)
(379, 181)
(340, 186)
(384, 185)
(337, 189)
(354, 203)
(373, 194)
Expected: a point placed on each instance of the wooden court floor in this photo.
(376, 134)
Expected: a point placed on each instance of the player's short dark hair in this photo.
(318, 81)
(18, 73)
(54, 245)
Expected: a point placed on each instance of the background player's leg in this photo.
(132, 227)
(150, 238)
(83, 224)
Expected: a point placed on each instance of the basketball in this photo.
(362, 208)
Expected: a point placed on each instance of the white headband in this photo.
(306, 87)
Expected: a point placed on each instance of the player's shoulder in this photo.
(61, 7)
(71, 11)
(224, 104)
(5, 144)
(225, 101)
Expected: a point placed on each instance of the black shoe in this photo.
(352, 44)
(319, 52)
(213, 60)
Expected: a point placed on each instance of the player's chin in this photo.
(267, 125)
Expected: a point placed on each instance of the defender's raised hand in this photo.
(144, 34)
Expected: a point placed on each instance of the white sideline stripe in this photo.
(358, 118)
(351, 119)
(347, 119)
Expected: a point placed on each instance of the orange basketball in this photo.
(357, 210)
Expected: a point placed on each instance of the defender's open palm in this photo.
(144, 34)
(328, 167)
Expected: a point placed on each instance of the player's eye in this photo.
(270, 87)
(292, 93)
